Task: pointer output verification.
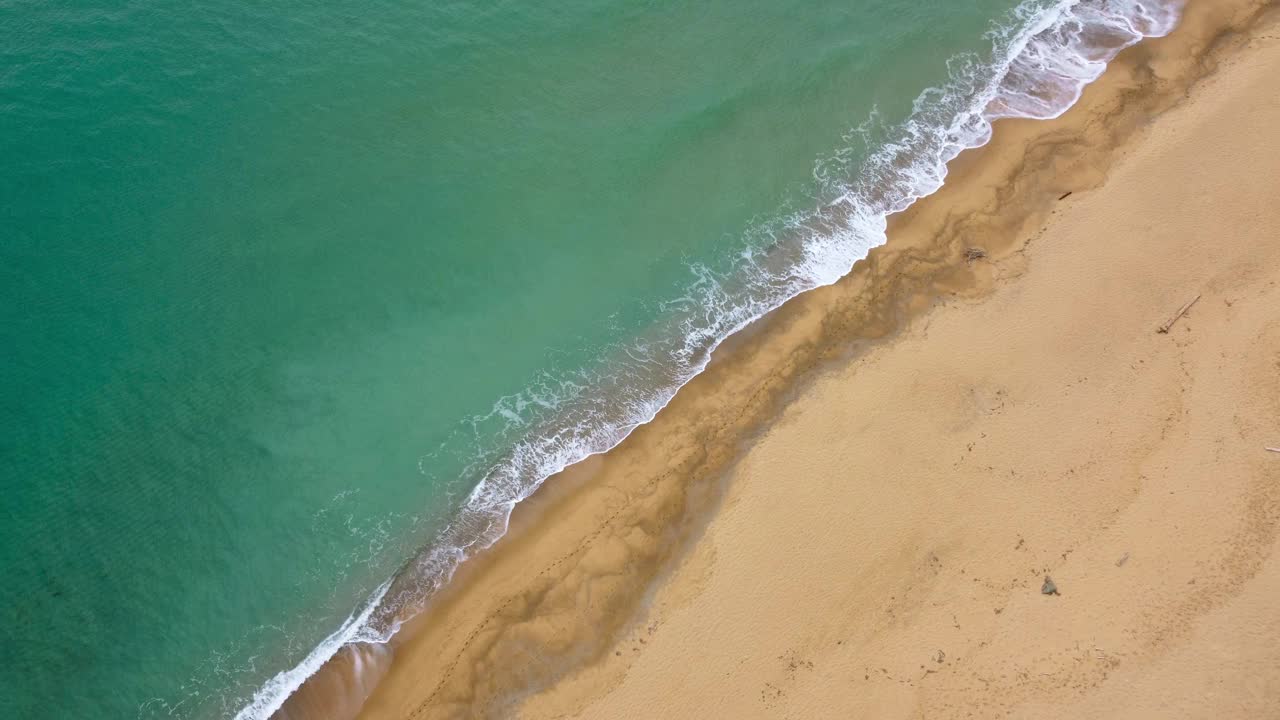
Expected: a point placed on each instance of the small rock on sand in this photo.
(1049, 588)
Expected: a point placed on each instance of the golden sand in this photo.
(852, 513)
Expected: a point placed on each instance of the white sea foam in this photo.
(1042, 58)
(272, 695)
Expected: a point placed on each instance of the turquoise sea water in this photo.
(298, 296)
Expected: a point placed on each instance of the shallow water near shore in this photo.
(292, 294)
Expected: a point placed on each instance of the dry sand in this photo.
(852, 513)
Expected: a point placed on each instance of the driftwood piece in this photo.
(1065, 195)
(1181, 311)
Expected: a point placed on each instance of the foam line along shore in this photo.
(1077, 71)
(1042, 56)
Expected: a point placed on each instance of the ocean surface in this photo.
(298, 298)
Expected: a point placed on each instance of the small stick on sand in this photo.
(1182, 311)
(1065, 195)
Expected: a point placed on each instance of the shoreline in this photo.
(818, 246)
(640, 515)
(886, 548)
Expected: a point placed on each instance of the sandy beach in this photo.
(854, 511)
